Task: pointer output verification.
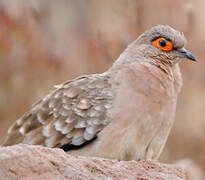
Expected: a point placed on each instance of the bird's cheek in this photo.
(172, 56)
(165, 57)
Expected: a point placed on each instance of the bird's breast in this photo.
(142, 96)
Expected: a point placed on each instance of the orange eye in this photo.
(163, 44)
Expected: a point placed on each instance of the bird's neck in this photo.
(128, 57)
(129, 60)
(135, 54)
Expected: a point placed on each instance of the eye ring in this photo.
(163, 44)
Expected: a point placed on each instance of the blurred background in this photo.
(43, 43)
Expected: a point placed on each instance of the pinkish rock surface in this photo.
(24, 162)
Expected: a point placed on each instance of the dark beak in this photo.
(186, 54)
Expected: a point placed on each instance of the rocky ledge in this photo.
(26, 162)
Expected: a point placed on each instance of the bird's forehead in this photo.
(169, 33)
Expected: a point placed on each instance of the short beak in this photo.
(186, 54)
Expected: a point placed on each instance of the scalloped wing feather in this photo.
(72, 114)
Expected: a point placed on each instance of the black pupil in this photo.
(162, 43)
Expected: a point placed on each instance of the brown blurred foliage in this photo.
(43, 43)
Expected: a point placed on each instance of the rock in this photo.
(39, 163)
(191, 168)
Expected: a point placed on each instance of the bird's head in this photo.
(164, 44)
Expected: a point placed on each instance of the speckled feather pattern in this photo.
(72, 114)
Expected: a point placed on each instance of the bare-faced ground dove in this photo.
(125, 113)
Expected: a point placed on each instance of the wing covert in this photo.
(72, 114)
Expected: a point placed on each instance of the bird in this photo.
(124, 113)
